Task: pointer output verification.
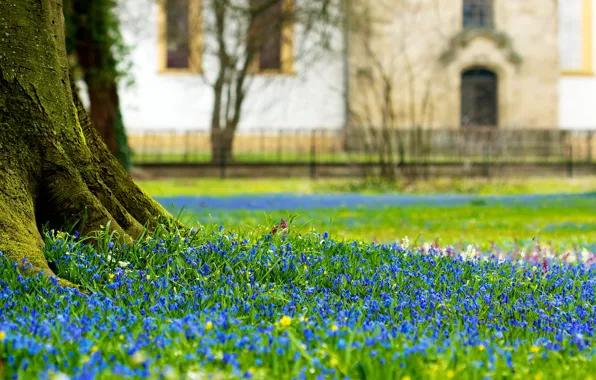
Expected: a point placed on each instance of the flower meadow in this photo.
(279, 303)
(563, 221)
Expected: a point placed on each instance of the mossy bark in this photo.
(54, 167)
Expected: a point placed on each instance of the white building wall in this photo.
(577, 93)
(312, 98)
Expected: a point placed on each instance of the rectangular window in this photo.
(478, 14)
(272, 34)
(575, 37)
(180, 33)
(177, 35)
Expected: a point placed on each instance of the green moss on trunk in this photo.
(55, 167)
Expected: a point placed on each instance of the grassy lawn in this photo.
(513, 186)
(563, 222)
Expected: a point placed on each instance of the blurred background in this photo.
(488, 99)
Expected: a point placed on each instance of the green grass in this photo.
(564, 223)
(215, 187)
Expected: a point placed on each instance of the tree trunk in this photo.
(96, 59)
(54, 165)
(222, 141)
(103, 113)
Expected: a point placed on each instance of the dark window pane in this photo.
(478, 14)
(178, 41)
(479, 100)
(267, 31)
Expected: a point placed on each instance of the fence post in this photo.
(187, 146)
(313, 154)
(280, 140)
(487, 159)
(589, 146)
(570, 159)
(222, 161)
(146, 148)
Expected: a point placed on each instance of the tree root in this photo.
(66, 178)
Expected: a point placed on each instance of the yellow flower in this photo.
(148, 277)
(325, 273)
(85, 359)
(252, 370)
(334, 328)
(112, 275)
(481, 347)
(285, 321)
(94, 349)
(450, 374)
(208, 325)
(121, 337)
(305, 267)
(538, 376)
(333, 361)
(406, 378)
(2, 335)
(534, 349)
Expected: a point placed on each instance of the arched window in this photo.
(479, 98)
(478, 14)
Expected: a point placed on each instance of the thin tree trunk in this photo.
(222, 141)
(96, 59)
(103, 111)
(54, 165)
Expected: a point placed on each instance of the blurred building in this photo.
(447, 64)
(577, 87)
(174, 60)
(432, 63)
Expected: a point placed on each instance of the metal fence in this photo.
(371, 147)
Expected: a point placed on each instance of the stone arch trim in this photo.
(465, 38)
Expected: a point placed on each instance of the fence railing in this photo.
(369, 146)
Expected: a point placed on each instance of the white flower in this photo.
(585, 255)
(521, 262)
(123, 264)
(571, 257)
(405, 243)
(470, 253)
(502, 258)
(196, 375)
(138, 357)
(171, 374)
(59, 376)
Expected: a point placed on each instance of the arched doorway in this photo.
(479, 98)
